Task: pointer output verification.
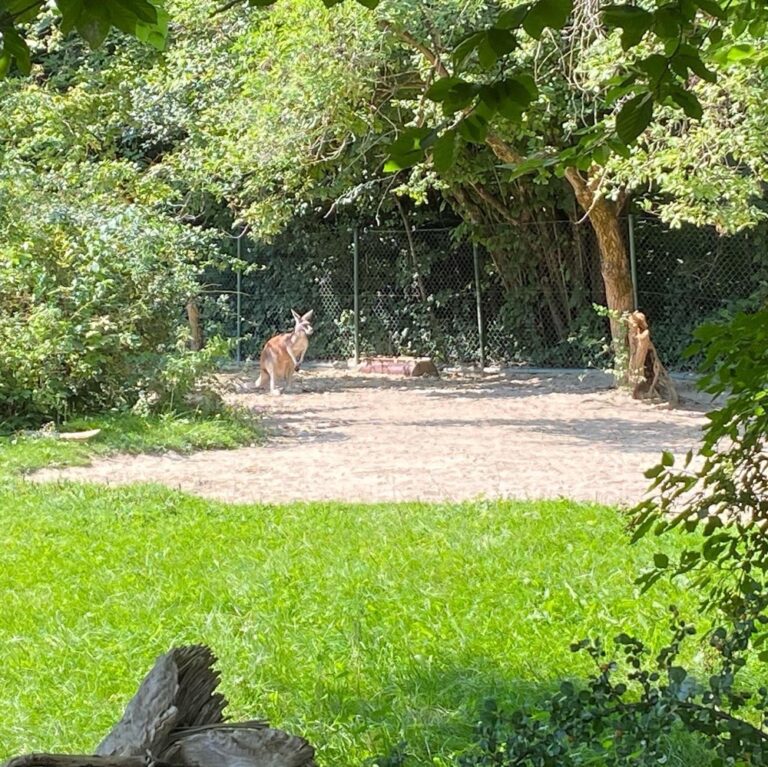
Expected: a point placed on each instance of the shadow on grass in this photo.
(474, 703)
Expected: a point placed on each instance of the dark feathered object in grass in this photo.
(176, 719)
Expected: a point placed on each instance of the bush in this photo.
(92, 311)
(629, 711)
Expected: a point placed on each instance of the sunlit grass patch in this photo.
(357, 626)
(129, 433)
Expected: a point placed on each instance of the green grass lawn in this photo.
(357, 626)
(128, 433)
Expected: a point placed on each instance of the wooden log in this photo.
(404, 366)
(79, 760)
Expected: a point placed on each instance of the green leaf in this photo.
(512, 18)
(547, 13)
(689, 103)
(462, 51)
(654, 66)
(740, 52)
(618, 87)
(533, 164)
(370, 4)
(94, 24)
(474, 129)
(624, 15)
(600, 154)
(409, 140)
(460, 96)
(133, 16)
(15, 47)
(527, 82)
(440, 89)
(712, 7)
(490, 96)
(510, 96)
(501, 40)
(70, 13)
(660, 560)
(715, 35)
(633, 21)
(667, 22)
(667, 459)
(486, 55)
(21, 10)
(635, 116)
(142, 10)
(618, 148)
(677, 674)
(444, 151)
(407, 149)
(697, 66)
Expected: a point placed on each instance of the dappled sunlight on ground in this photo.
(341, 436)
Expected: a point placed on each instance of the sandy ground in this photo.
(365, 438)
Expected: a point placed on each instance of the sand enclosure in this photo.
(349, 437)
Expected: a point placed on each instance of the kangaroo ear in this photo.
(296, 315)
(308, 316)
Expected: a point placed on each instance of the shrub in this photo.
(628, 711)
(92, 310)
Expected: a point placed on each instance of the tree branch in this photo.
(431, 56)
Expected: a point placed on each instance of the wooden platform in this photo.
(410, 367)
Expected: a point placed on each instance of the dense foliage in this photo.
(280, 121)
(721, 492)
(91, 309)
(629, 711)
(95, 272)
(626, 712)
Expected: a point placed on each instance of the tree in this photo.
(451, 86)
(95, 267)
(485, 100)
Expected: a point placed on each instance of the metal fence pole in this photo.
(239, 299)
(356, 288)
(478, 298)
(632, 257)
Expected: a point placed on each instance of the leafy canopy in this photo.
(684, 36)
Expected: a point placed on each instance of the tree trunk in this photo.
(197, 340)
(614, 260)
(629, 329)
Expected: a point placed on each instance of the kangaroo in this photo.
(284, 353)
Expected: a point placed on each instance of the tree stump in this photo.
(647, 375)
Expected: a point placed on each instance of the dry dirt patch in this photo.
(353, 438)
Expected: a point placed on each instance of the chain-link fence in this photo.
(692, 275)
(529, 297)
(417, 294)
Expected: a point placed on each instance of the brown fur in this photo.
(283, 354)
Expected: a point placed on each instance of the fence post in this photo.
(632, 257)
(356, 288)
(238, 301)
(478, 299)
